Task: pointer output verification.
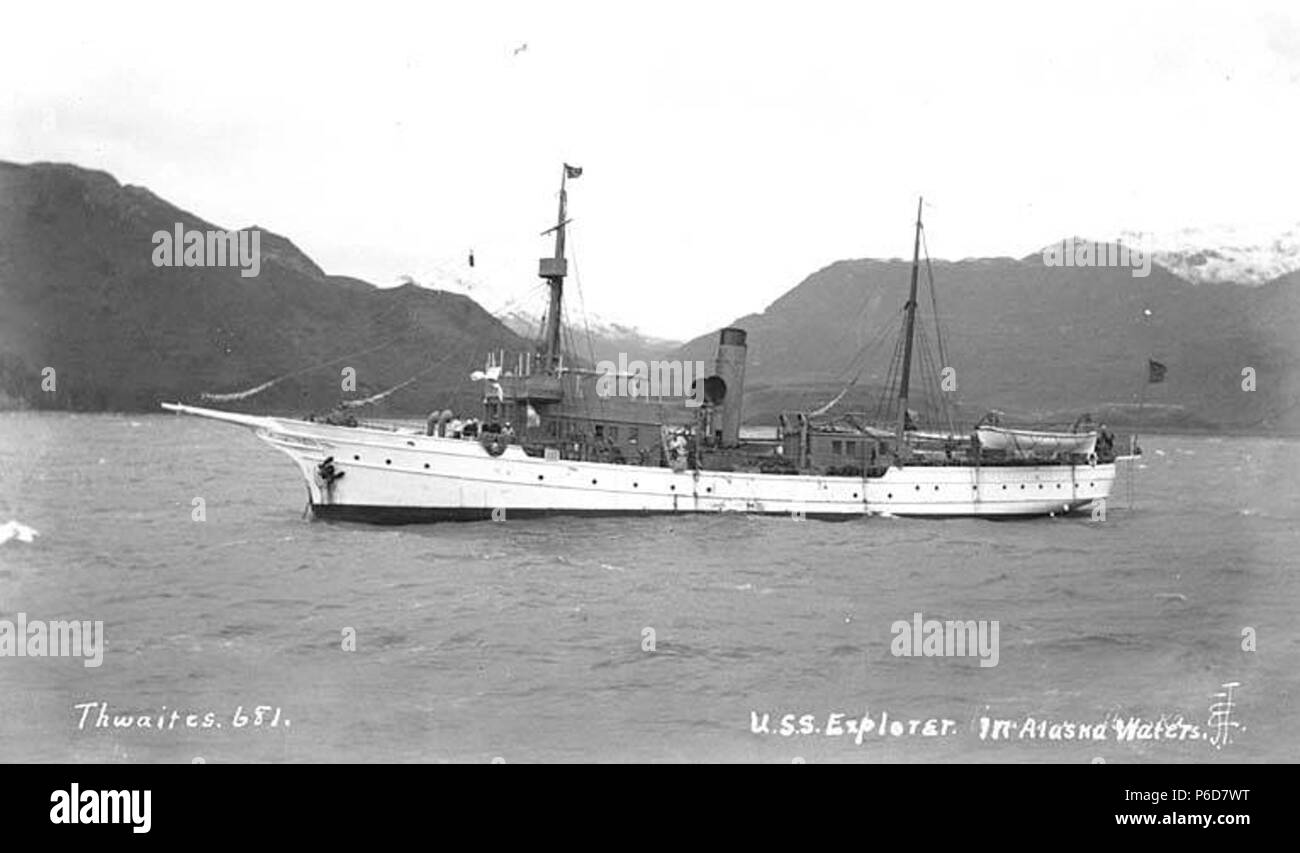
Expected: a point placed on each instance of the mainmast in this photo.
(554, 270)
(909, 327)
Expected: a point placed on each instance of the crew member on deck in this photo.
(1105, 441)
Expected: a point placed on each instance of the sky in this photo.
(729, 149)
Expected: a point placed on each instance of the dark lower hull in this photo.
(397, 515)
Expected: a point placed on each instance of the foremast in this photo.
(554, 269)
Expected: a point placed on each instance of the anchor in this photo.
(327, 477)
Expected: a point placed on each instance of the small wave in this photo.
(1091, 640)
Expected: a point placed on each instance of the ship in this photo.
(558, 436)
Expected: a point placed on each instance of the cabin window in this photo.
(633, 435)
(851, 448)
(837, 447)
(550, 428)
(613, 433)
(600, 431)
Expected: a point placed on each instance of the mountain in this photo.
(596, 339)
(79, 292)
(1042, 343)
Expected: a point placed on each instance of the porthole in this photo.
(539, 476)
(855, 494)
(890, 495)
(672, 488)
(1040, 485)
(410, 444)
(1022, 487)
(634, 485)
(426, 466)
(709, 490)
(1004, 488)
(936, 488)
(388, 462)
(356, 458)
(593, 481)
(918, 488)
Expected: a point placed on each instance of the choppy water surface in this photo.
(526, 640)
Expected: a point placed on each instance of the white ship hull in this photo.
(393, 477)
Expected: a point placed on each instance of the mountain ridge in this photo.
(1082, 329)
(81, 295)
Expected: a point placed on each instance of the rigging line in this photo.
(862, 309)
(860, 357)
(240, 395)
(880, 393)
(926, 359)
(566, 329)
(891, 375)
(887, 395)
(352, 404)
(854, 325)
(881, 335)
(834, 400)
(582, 302)
(878, 338)
(933, 398)
(939, 405)
(934, 300)
(591, 344)
(919, 394)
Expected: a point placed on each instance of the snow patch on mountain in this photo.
(1224, 255)
(607, 338)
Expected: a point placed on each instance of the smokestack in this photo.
(730, 368)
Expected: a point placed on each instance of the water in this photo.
(525, 641)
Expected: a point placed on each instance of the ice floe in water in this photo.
(16, 530)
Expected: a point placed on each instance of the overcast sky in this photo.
(729, 149)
